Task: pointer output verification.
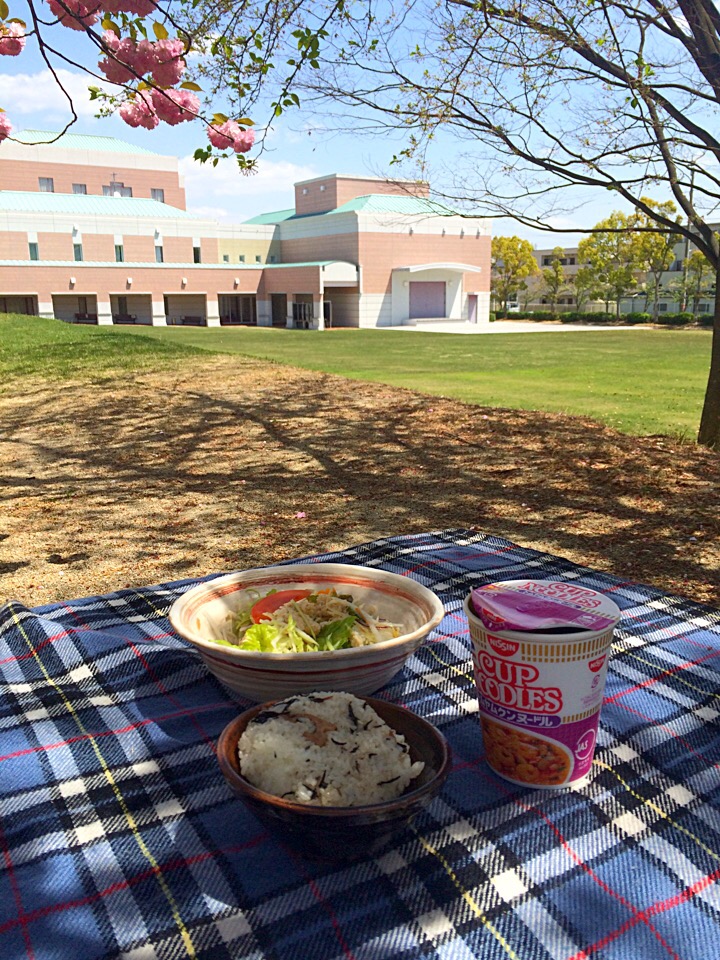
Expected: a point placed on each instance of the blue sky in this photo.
(297, 148)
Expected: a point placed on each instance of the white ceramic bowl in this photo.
(204, 612)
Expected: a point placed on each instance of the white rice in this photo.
(326, 749)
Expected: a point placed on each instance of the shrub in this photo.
(636, 317)
(675, 319)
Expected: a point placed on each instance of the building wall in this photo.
(343, 246)
(380, 253)
(327, 193)
(14, 245)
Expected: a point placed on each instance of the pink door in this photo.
(472, 308)
(427, 299)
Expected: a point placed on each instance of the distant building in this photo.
(535, 297)
(95, 230)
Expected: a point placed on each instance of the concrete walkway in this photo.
(507, 326)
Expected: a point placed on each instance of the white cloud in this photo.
(223, 192)
(37, 94)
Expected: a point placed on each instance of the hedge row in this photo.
(664, 319)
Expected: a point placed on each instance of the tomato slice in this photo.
(264, 608)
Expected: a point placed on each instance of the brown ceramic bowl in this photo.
(343, 833)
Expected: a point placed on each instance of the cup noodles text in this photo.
(541, 676)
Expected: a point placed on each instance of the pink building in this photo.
(95, 230)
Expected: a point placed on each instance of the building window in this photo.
(241, 258)
(258, 258)
(83, 305)
(47, 184)
(80, 188)
(662, 308)
(157, 193)
(116, 189)
(305, 191)
(34, 251)
(226, 258)
(702, 307)
(271, 259)
(119, 253)
(122, 306)
(159, 256)
(78, 255)
(322, 188)
(197, 255)
(571, 261)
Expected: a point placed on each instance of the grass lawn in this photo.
(638, 381)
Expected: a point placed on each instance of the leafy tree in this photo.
(586, 286)
(554, 282)
(614, 254)
(655, 250)
(700, 279)
(512, 262)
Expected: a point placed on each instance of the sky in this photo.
(297, 148)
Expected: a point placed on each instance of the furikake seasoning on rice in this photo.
(326, 749)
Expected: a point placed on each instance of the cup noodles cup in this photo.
(540, 656)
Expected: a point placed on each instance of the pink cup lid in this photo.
(542, 605)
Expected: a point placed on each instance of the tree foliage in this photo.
(512, 263)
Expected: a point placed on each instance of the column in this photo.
(158, 313)
(104, 313)
(212, 312)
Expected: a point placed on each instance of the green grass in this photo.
(638, 381)
(33, 346)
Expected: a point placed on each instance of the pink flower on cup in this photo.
(75, 14)
(12, 39)
(175, 106)
(231, 136)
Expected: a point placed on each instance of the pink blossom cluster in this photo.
(5, 127)
(75, 14)
(12, 39)
(139, 112)
(163, 59)
(140, 8)
(230, 135)
(149, 107)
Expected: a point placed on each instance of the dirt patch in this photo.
(231, 463)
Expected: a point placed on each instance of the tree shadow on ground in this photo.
(238, 463)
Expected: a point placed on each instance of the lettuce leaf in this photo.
(336, 635)
(261, 636)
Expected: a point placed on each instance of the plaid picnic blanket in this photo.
(120, 839)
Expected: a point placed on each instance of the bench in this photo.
(85, 318)
(125, 318)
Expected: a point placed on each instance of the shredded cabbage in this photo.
(323, 621)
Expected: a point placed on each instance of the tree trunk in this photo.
(709, 433)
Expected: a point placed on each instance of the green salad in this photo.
(300, 621)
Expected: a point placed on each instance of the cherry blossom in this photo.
(12, 39)
(79, 16)
(139, 112)
(174, 106)
(169, 63)
(230, 135)
(138, 8)
(5, 127)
